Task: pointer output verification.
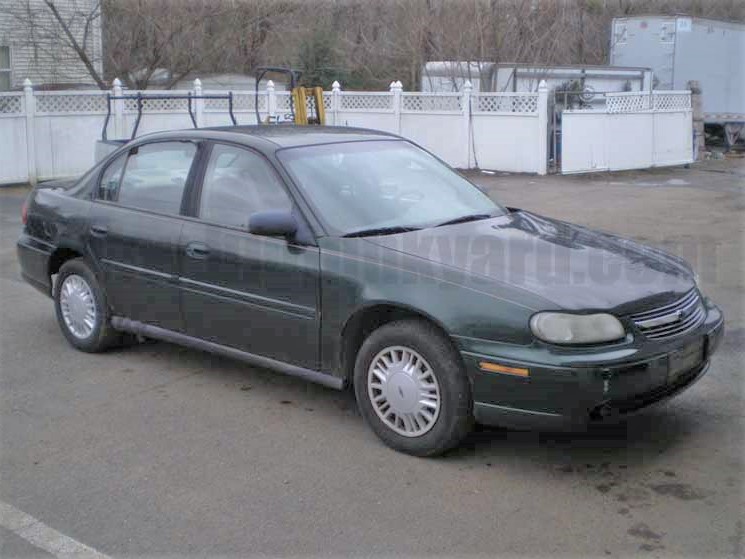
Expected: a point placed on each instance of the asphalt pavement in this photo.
(159, 450)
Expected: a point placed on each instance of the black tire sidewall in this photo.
(455, 416)
(100, 337)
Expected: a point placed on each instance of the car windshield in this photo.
(380, 187)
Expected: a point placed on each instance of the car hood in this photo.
(571, 266)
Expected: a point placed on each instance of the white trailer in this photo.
(449, 76)
(526, 77)
(446, 76)
(680, 49)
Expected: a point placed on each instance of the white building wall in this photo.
(37, 52)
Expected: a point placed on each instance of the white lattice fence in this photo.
(68, 103)
(672, 101)
(433, 102)
(284, 101)
(241, 102)
(11, 104)
(328, 100)
(152, 105)
(627, 102)
(526, 103)
(630, 131)
(366, 101)
(453, 125)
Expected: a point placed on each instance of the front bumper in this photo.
(567, 389)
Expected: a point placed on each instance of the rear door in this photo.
(254, 293)
(135, 225)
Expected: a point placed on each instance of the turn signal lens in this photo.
(496, 368)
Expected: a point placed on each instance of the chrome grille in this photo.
(671, 320)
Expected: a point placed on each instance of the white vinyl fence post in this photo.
(335, 102)
(271, 101)
(30, 106)
(466, 108)
(542, 128)
(396, 88)
(198, 103)
(116, 91)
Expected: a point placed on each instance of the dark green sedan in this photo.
(352, 257)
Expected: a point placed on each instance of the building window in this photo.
(4, 68)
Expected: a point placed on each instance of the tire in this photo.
(428, 431)
(83, 291)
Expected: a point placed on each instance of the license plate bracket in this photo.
(685, 359)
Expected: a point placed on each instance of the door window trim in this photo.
(192, 211)
(127, 153)
(200, 186)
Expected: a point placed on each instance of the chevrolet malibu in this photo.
(352, 257)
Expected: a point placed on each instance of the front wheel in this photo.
(411, 388)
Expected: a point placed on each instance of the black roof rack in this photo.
(140, 97)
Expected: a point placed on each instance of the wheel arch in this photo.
(364, 321)
(59, 256)
(64, 252)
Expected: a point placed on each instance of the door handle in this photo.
(99, 230)
(199, 251)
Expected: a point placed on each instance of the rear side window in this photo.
(155, 176)
(238, 183)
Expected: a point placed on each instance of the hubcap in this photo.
(78, 306)
(404, 391)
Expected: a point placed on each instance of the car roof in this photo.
(276, 136)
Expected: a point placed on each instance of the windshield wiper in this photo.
(464, 218)
(381, 231)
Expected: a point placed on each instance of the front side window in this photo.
(5, 81)
(109, 183)
(381, 184)
(238, 183)
(155, 176)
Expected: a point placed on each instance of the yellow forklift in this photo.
(306, 103)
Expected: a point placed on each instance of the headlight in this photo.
(563, 328)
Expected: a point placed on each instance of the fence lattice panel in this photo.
(624, 103)
(366, 101)
(672, 101)
(11, 104)
(158, 105)
(241, 102)
(417, 102)
(70, 103)
(505, 103)
(284, 102)
(328, 100)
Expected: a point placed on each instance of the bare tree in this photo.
(180, 37)
(63, 36)
(366, 43)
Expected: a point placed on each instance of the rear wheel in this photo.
(411, 388)
(82, 311)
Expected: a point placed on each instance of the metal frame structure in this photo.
(140, 98)
(261, 71)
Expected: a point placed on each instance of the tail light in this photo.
(24, 211)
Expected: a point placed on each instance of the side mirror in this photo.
(273, 223)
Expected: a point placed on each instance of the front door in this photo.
(135, 226)
(254, 293)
